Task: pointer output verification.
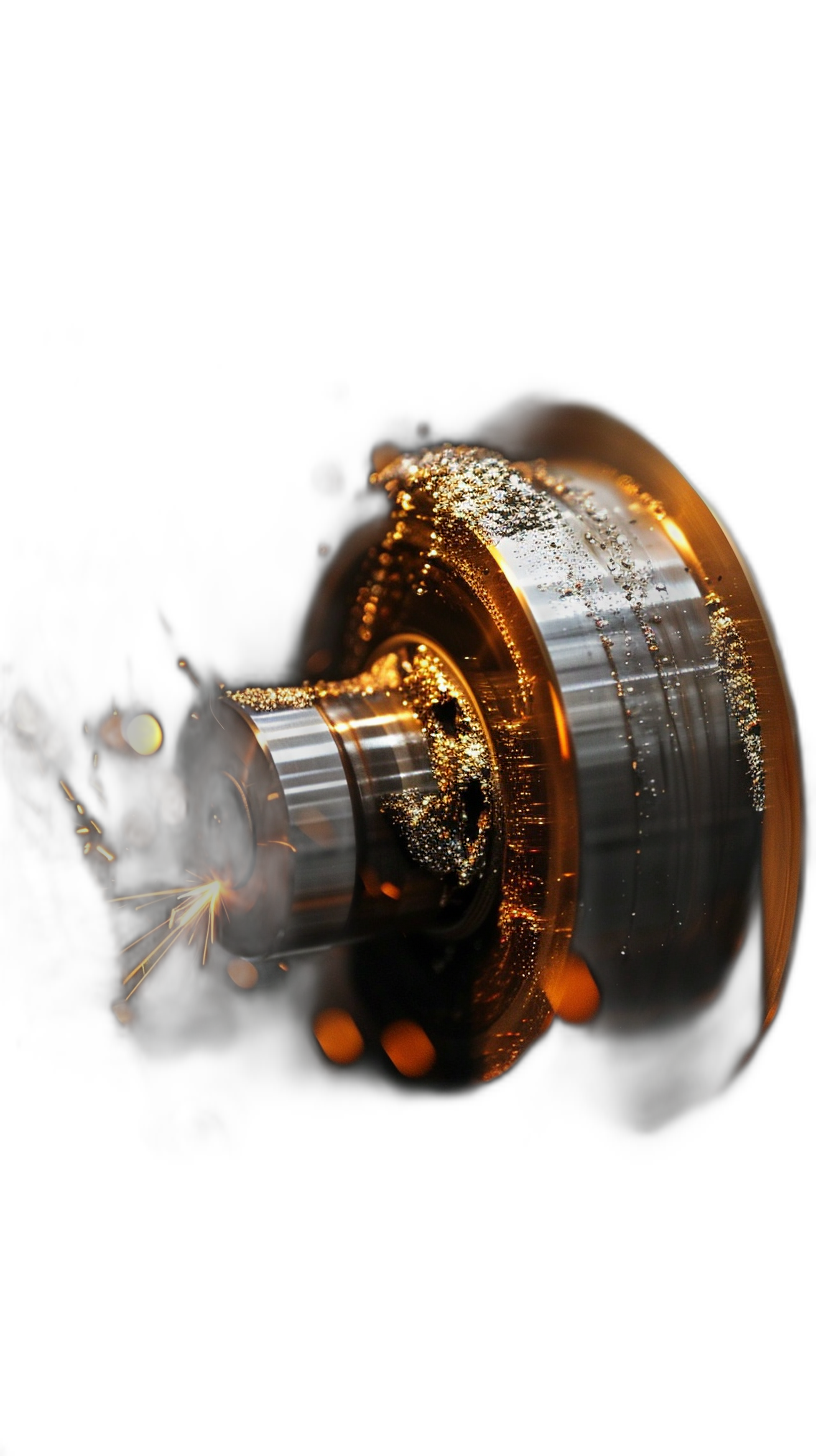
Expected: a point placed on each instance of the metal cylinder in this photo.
(550, 761)
(288, 811)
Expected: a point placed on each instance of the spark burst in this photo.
(196, 906)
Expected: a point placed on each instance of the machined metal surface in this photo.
(575, 437)
(668, 833)
(291, 811)
(551, 760)
(274, 817)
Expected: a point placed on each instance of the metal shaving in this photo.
(737, 679)
(268, 700)
(525, 503)
(446, 832)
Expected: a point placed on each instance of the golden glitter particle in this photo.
(267, 700)
(738, 680)
(446, 832)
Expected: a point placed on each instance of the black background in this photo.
(184, 409)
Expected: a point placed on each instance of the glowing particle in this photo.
(105, 853)
(66, 790)
(338, 1036)
(144, 735)
(392, 891)
(408, 1048)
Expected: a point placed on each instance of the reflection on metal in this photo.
(549, 748)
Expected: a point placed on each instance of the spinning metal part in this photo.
(545, 760)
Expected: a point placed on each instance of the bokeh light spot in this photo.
(574, 996)
(142, 733)
(338, 1035)
(243, 974)
(124, 1014)
(409, 1048)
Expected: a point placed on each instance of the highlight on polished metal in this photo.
(542, 760)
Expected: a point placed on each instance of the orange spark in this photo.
(196, 907)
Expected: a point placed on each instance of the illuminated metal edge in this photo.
(657, 752)
(598, 445)
(535, 915)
